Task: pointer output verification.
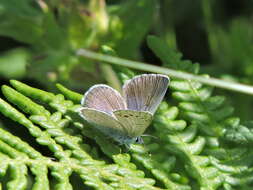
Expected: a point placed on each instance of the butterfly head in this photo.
(127, 141)
(138, 140)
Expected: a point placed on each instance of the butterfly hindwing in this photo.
(103, 121)
(145, 92)
(104, 98)
(135, 122)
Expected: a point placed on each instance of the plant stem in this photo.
(170, 72)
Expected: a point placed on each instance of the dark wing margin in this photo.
(145, 92)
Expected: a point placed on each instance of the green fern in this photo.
(208, 158)
(58, 130)
(195, 100)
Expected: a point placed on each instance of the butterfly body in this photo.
(124, 118)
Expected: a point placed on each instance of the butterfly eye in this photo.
(139, 140)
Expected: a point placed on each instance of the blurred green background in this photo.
(39, 39)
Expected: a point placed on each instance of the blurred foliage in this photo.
(205, 134)
(54, 30)
(215, 33)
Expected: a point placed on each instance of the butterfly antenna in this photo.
(147, 135)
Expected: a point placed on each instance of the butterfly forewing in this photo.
(103, 98)
(103, 121)
(135, 122)
(145, 92)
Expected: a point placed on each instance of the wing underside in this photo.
(103, 122)
(134, 122)
(145, 92)
(103, 98)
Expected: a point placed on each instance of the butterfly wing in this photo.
(103, 122)
(134, 122)
(145, 92)
(103, 98)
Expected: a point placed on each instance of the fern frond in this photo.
(53, 130)
(197, 104)
(195, 100)
(239, 133)
(186, 144)
(71, 95)
(208, 118)
(162, 173)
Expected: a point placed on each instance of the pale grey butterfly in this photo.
(125, 118)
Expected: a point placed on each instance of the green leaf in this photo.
(13, 63)
(170, 56)
(128, 30)
(21, 20)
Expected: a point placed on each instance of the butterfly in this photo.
(124, 118)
